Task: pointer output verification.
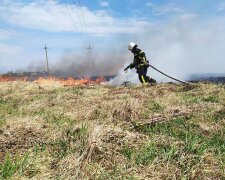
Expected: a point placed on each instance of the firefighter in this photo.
(140, 63)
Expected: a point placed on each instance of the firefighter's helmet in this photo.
(131, 46)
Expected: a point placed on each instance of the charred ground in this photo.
(166, 131)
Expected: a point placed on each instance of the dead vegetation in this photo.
(166, 131)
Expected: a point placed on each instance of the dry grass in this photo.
(166, 131)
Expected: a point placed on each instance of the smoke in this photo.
(187, 46)
(180, 47)
(107, 63)
(94, 65)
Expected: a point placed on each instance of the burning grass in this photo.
(168, 131)
(54, 80)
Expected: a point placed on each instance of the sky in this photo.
(180, 37)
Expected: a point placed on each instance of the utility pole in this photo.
(89, 59)
(46, 53)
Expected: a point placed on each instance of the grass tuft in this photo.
(13, 165)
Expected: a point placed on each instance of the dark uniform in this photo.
(140, 63)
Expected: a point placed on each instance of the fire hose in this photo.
(149, 65)
(167, 75)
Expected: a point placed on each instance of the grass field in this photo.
(167, 131)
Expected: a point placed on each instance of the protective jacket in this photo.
(139, 59)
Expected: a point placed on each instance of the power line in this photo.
(77, 13)
(83, 17)
(77, 4)
(74, 23)
(89, 47)
(76, 28)
(82, 13)
(84, 27)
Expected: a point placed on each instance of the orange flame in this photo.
(5, 79)
(66, 82)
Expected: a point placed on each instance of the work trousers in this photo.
(142, 74)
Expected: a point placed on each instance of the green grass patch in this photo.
(195, 142)
(191, 99)
(156, 107)
(72, 141)
(61, 148)
(54, 118)
(9, 107)
(127, 152)
(146, 155)
(212, 99)
(149, 152)
(78, 137)
(2, 120)
(152, 107)
(13, 165)
(217, 143)
(39, 148)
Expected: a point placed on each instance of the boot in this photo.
(151, 80)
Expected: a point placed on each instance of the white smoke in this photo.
(123, 77)
(183, 46)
